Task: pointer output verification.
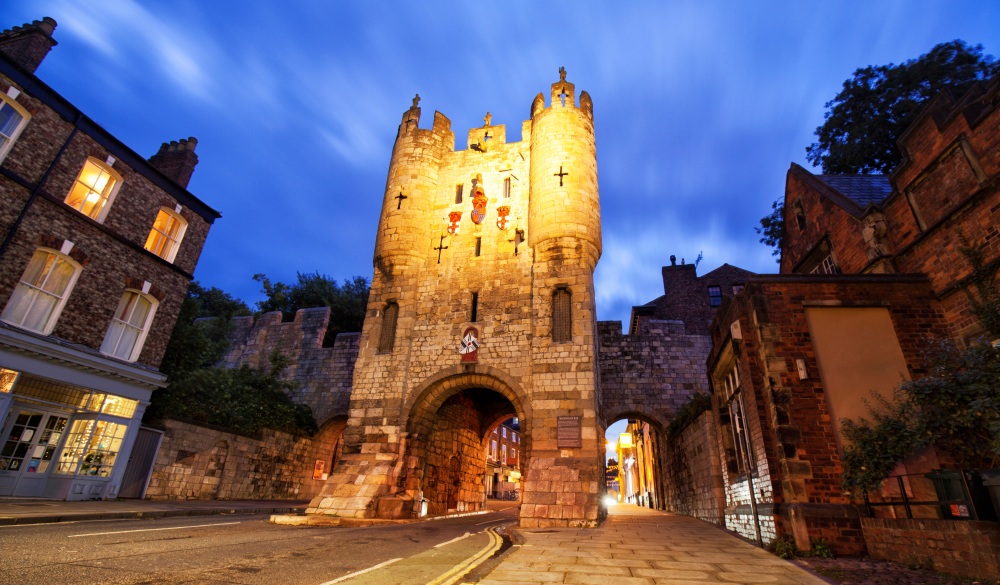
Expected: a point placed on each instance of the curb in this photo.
(293, 519)
(155, 514)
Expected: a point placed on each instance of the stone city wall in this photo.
(693, 474)
(651, 373)
(201, 463)
(323, 375)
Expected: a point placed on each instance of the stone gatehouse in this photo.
(482, 309)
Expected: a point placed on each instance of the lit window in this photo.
(504, 431)
(562, 325)
(387, 336)
(13, 119)
(493, 450)
(165, 237)
(93, 190)
(503, 453)
(40, 295)
(129, 326)
(7, 379)
(91, 448)
(714, 296)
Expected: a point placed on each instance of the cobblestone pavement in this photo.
(638, 546)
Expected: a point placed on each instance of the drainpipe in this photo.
(38, 187)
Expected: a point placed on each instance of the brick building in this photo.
(689, 298)
(98, 247)
(503, 460)
(870, 272)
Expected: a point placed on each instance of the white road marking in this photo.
(151, 529)
(456, 539)
(493, 521)
(361, 572)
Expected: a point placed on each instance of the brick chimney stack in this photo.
(27, 45)
(176, 160)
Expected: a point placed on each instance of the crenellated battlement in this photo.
(323, 374)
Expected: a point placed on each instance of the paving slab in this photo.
(638, 546)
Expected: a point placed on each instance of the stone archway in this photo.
(326, 453)
(641, 465)
(446, 427)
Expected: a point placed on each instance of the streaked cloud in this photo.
(699, 108)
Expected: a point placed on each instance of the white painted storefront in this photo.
(68, 417)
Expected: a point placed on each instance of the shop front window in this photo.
(91, 447)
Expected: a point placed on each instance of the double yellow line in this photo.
(459, 571)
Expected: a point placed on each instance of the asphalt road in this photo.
(240, 549)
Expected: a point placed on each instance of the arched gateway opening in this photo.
(637, 454)
(449, 428)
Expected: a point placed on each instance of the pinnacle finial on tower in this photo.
(416, 100)
(562, 74)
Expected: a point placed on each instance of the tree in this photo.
(199, 337)
(348, 302)
(772, 228)
(877, 104)
(242, 399)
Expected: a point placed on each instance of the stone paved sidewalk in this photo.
(637, 546)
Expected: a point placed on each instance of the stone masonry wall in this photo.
(693, 472)
(455, 464)
(323, 374)
(447, 274)
(652, 373)
(201, 463)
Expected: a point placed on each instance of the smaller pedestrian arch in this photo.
(639, 448)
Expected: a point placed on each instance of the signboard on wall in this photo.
(569, 434)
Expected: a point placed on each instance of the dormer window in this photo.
(820, 261)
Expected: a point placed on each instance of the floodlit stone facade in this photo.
(482, 308)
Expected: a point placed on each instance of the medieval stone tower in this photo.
(481, 308)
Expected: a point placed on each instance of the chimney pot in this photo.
(27, 45)
(176, 160)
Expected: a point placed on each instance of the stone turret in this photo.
(410, 187)
(27, 45)
(564, 200)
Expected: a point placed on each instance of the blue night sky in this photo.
(699, 106)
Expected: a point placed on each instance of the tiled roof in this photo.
(862, 189)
